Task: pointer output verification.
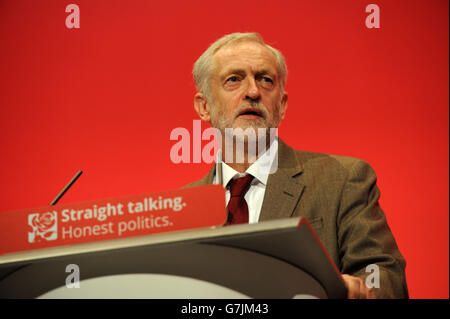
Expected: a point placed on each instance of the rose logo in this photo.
(43, 222)
(43, 226)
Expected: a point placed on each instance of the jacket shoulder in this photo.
(207, 179)
(330, 162)
(200, 182)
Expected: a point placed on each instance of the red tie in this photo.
(237, 206)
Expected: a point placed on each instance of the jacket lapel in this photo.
(283, 190)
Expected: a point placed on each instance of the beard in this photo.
(254, 136)
(222, 122)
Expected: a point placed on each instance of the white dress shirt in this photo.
(260, 170)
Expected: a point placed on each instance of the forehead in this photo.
(246, 56)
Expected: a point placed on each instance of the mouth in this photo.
(250, 113)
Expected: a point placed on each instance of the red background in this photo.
(104, 99)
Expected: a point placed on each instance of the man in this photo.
(240, 82)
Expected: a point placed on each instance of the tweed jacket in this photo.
(339, 197)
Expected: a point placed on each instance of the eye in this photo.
(266, 82)
(233, 79)
(233, 82)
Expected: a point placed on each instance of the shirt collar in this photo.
(260, 169)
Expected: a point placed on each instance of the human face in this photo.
(245, 88)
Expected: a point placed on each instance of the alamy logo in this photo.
(44, 227)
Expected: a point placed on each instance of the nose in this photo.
(253, 94)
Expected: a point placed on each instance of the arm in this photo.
(364, 237)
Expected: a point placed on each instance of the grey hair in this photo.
(202, 67)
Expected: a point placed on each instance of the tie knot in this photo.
(239, 186)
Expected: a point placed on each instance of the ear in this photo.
(283, 105)
(202, 107)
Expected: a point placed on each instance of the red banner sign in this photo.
(67, 224)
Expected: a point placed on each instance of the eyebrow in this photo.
(232, 71)
(242, 72)
(265, 72)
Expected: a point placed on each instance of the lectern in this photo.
(272, 259)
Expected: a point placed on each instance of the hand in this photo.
(357, 288)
